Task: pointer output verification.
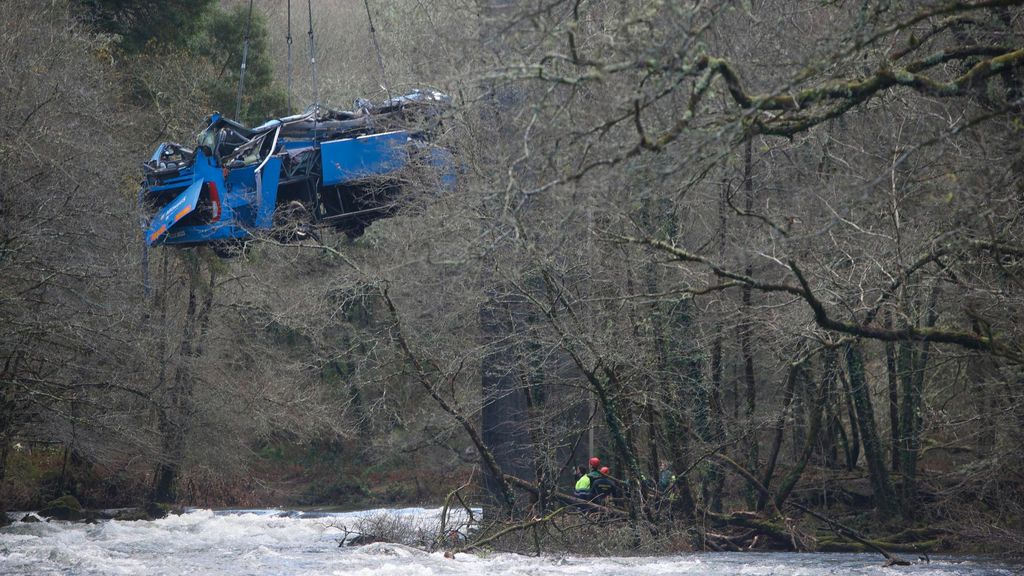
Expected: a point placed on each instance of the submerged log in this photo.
(842, 530)
(837, 545)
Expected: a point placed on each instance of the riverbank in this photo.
(277, 476)
(314, 478)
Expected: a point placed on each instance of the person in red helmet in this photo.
(603, 487)
(595, 463)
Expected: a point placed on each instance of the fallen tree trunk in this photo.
(845, 531)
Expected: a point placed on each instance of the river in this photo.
(275, 542)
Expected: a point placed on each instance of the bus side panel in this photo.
(356, 158)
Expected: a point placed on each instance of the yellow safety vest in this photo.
(583, 484)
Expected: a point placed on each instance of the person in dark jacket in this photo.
(604, 487)
(666, 477)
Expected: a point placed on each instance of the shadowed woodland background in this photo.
(775, 245)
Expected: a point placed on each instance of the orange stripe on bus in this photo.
(182, 213)
(157, 234)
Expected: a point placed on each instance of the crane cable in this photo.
(245, 56)
(376, 46)
(289, 39)
(312, 57)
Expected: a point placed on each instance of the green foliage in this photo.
(189, 44)
(220, 41)
(27, 473)
(139, 23)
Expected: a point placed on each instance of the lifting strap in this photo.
(376, 46)
(289, 39)
(241, 74)
(312, 56)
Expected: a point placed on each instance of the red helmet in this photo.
(595, 462)
(605, 470)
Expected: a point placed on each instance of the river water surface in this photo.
(272, 542)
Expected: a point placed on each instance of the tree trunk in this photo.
(504, 408)
(874, 452)
(906, 359)
(653, 454)
(750, 394)
(172, 413)
(894, 397)
(745, 328)
(787, 399)
(829, 442)
(814, 410)
(616, 427)
(678, 451)
(176, 416)
(982, 372)
(533, 393)
(853, 445)
(803, 393)
(912, 418)
(713, 430)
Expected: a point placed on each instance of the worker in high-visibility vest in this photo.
(584, 489)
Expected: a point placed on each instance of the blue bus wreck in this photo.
(288, 176)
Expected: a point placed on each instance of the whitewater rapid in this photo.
(274, 542)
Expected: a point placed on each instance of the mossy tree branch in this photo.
(964, 339)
